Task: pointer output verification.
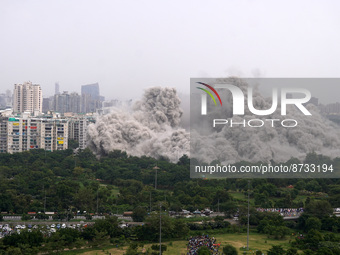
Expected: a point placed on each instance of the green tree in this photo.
(13, 251)
(132, 250)
(319, 208)
(229, 208)
(55, 244)
(228, 249)
(312, 223)
(139, 214)
(84, 199)
(218, 219)
(25, 217)
(108, 226)
(308, 252)
(155, 247)
(150, 230)
(276, 250)
(32, 239)
(292, 251)
(313, 238)
(313, 185)
(69, 235)
(184, 160)
(101, 238)
(88, 233)
(278, 232)
(324, 251)
(181, 229)
(300, 185)
(262, 200)
(41, 216)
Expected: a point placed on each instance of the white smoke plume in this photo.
(151, 128)
(228, 145)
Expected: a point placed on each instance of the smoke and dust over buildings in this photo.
(227, 144)
(151, 127)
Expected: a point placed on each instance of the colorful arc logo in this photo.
(209, 93)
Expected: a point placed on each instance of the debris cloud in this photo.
(151, 128)
(233, 144)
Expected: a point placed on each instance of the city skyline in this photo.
(129, 46)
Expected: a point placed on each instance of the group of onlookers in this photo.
(198, 241)
(283, 211)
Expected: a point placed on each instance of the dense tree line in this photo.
(65, 182)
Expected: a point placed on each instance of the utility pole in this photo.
(45, 201)
(97, 200)
(156, 168)
(248, 218)
(150, 202)
(160, 229)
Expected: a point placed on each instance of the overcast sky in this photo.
(127, 46)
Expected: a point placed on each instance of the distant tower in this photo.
(27, 98)
(56, 88)
(91, 99)
(91, 90)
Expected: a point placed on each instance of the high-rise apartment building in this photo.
(92, 90)
(6, 100)
(27, 97)
(19, 134)
(56, 88)
(48, 104)
(78, 129)
(91, 99)
(66, 102)
(3, 134)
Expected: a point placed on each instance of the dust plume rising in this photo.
(151, 128)
(229, 144)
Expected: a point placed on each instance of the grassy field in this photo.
(256, 242)
(115, 191)
(241, 197)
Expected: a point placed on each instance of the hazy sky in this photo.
(127, 45)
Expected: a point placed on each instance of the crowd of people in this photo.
(198, 241)
(286, 212)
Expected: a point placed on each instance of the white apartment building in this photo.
(27, 97)
(78, 129)
(19, 134)
(3, 134)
